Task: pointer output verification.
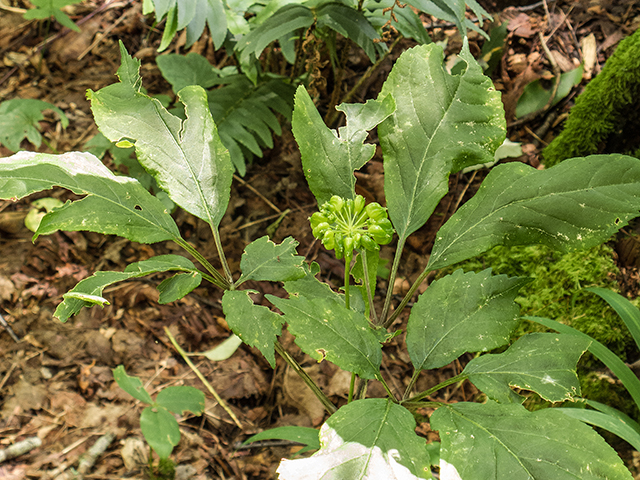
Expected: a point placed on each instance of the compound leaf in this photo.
(417, 139)
(349, 23)
(325, 328)
(495, 441)
(365, 439)
(329, 158)
(186, 157)
(256, 325)
(264, 260)
(579, 203)
(542, 362)
(462, 312)
(181, 399)
(115, 205)
(19, 119)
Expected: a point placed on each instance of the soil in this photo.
(56, 379)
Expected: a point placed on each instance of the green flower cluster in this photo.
(347, 225)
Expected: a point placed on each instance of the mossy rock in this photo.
(557, 292)
(606, 115)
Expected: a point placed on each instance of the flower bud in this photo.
(336, 203)
(376, 212)
(368, 242)
(316, 219)
(358, 204)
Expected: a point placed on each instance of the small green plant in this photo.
(159, 426)
(430, 123)
(52, 8)
(20, 118)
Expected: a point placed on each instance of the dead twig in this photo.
(20, 448)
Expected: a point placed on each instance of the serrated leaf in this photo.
(184, 70)
(329, 158)
(434, 108)
(95, 284)
(495, 442)
(542, 362)
(264, 260)
(186, 158)
(367, 439)
(349, 23)
(462, 312)
(160, 430)
(325, 329)
(579, 203)
(19, 119)
(176, 287)
(113, 205)
(132, 385)
(181, 399)
(256, 325)
(304, 435)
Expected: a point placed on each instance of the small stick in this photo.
(264, 199)
(88, 460)
(8, 329)
(185, 357)
(20, 448)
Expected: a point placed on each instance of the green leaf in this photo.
(39, 208)
(365, 439)
(160, 430)
(579, 203)
(304, 435)
(462, 312)
(52, 8)
(256, 325)
(132, 385)
(535, 97)
(542, 362)
(176, 287)
(443, 123)
(114, 205)
(181, 399)
(496, 442)
(184, 70)
(329, 158)
(606, 356)
(245, 113)
(224, 350)
(264, 260)
(349, 23)
(76, 299)
(170, 29)
(186, 158)
(19, 119)
(285, 21)
(628, 312)
(610, 423)
(325, 329)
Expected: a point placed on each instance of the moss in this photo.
(556, 292)
(605, 115)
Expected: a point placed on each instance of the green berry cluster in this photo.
(347, 225)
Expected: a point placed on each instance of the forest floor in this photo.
(56, 381)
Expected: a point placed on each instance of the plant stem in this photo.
(220, 280)
(392, 279)
(365, 269)
(458, 378)
(223, 258)
(347, 271)
(406, 298)
(183, 354)
(416, 405)
(329, 407)
(386, 387)
(351, 387)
